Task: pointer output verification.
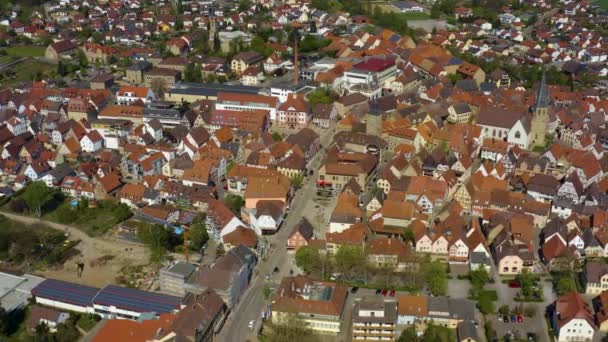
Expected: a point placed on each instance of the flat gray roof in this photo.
(182, 268)
(15, 291)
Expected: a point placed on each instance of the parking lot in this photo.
(522, 327)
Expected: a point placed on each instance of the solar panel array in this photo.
(65, 292)
(136, 300)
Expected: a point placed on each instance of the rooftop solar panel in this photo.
(136, 300)
(62, 291)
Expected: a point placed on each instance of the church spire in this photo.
(542, 96)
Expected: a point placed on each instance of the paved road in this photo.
(253, 302)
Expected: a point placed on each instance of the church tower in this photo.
(540, 115)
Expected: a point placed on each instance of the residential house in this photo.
(243, 60)
(320, 304)
(390, 253)
(301, 234)
(60, 50)
(572, 318)
(229, 276)
(374, 318)
(595, 277)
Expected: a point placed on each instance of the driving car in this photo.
(251, 324)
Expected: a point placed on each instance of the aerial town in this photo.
(303, 170)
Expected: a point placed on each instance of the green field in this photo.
(28, 70)
(25, 51)
(415, 16)
(5, 59)
(602, 3)
(407, 16)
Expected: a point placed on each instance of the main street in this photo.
(253, 302)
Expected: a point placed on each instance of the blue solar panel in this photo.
(136, 300)
(62, 291)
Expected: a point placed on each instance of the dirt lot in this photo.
(103, 258)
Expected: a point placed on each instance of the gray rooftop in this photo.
(182, 268)
(15, 291)
(212, 89)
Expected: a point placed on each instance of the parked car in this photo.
(505, 319)
(392, 293)
(384, 292)
(520, 318)
(531, 337)
(378, 291)
(513, 318)
(251, 324)
(514, 284)
(500, 318)
(354, 289)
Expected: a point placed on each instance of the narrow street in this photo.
(253, 302)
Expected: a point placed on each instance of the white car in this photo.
(251, 324)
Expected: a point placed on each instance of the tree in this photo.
(192, 73)
(266, 291)
(18, 205)
(159, 86)
(408, 234)
(308, 258)
(157, 238)
(504, 310)
(313, 27)
(409, 335)
(350, 260)
(435, 275)
(83, 62)
(67, 332)
(42, 333)
(258, 45)
(244, 5)
(276, 136)
(234, 202)
(479, 278)
(198, 236)
(320, 95)
(565, 285)
(217, 45)
(297, 181)
(61, 70)
(486, 305)
(289, 327)
(37, 195)
(4, 321)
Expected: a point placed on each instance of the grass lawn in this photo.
(26, 51)
(415, 16)
(408, 16)
(93, 221)
(602, 3)
(5, 59)
(27, 71)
